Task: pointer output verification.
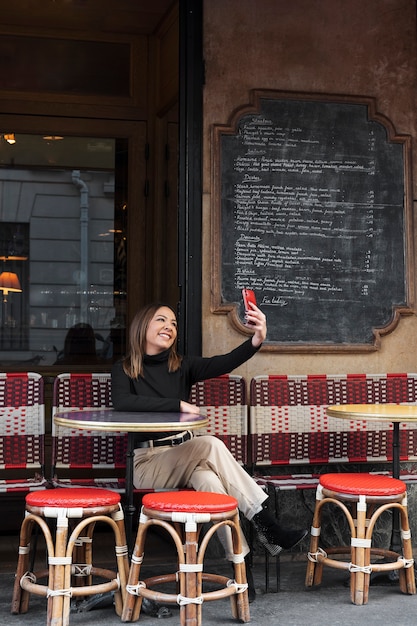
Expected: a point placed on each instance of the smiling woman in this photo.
(162, 331)
(154, 378)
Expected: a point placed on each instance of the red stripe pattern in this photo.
(224, 401)
(22, 431)
(76, 453)
(80, 450)
(289, 423)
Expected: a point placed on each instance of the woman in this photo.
(154, 377)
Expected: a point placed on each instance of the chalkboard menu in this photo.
(312, 214)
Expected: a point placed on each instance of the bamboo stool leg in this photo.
(133, 603)
(314, 569)
(410, 585)
(19, 604)
(240, 601)
(358, 559)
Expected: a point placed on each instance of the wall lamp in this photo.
(10, 138)
(9, 281)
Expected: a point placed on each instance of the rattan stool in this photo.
(70, 568)
(362, 498)
(182, 514)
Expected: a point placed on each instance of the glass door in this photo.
(63, 250)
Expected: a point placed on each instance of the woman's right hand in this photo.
(186, 407)
(257, 321)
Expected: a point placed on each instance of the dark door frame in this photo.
(191, 80)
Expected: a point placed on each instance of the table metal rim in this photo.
(374, 412)
(130, 426)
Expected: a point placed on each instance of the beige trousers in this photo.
(205, 464)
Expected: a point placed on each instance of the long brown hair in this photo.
(133, 363)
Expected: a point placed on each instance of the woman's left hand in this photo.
(256, 320)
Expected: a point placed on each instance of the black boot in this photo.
(272, 536)
(250, 581)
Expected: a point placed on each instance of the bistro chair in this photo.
(70, 569)
(98, 458)
(22, 432)
(361, 498)
(88, 458)
(291, 432)
(182, 515)
(223, 400)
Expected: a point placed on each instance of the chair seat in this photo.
(75, 497)
(363, 484)
(189, 502)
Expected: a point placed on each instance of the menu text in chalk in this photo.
(313, 216)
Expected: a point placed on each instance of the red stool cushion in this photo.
(189, 502)
(363, 484)
(83, 497)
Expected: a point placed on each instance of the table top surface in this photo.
(375, 412)
(107, 419)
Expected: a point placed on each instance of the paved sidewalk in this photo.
(292, 606)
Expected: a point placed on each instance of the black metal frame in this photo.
(191, 74)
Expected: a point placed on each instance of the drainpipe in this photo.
(80, 184)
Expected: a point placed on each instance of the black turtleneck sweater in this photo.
(160, 390)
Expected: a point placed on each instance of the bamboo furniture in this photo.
(362, 498)
(69, 545)
(182, 514)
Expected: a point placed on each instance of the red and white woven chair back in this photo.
(223, 400)
(86, 454)
(22, 432)
(289, 423)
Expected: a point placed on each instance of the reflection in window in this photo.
(14, 254)
(63, 234)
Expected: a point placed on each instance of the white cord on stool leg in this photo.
(191, 567)
(30, 576)
(59, 560)
(121, 550)
(360, 543)
(134, 589)
(182, 600)
(59, 592)
(138, 560)
(81, 569)
(354, 569)
(313, 556)
(239, 587)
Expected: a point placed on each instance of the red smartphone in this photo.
(248, 296)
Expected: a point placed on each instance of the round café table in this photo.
(394, 413)
(132, 423)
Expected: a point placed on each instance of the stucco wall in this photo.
(352, 47)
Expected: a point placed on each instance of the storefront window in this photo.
(63, 219)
